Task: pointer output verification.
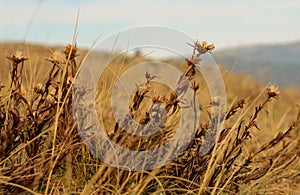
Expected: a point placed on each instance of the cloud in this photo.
(224, 21)
(143, 12)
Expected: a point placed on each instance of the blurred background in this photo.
(260, 38)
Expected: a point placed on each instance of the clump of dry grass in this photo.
(41, 151)
(37, 130)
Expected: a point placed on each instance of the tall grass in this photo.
(257, 151)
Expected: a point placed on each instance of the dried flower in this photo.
(210, 47)
(273, 90)
(203, 47)
(150, 77)
(71, 50)
(215, 101)
(55, 57)
(17, 57)
(233, 109)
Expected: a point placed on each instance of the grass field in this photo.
(41, 152)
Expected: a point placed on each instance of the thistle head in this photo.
(273, 91)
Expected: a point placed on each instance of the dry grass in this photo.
(41, 151)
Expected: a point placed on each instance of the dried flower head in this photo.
(210, 47)
(203, 47)
(149, 77)
(17, 57)
(215, 101)
(71, 51)
(273, 90)
(55, 57)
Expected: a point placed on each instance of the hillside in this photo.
(268, 63)
(276, 63)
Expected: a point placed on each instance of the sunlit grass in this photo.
(41, 151)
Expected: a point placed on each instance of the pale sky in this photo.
(225, 23)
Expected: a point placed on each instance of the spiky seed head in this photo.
(55, 57)
(203, 47)
(273, 90)
(71, 51)
(17, 57)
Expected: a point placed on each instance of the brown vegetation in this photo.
(257, 152)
